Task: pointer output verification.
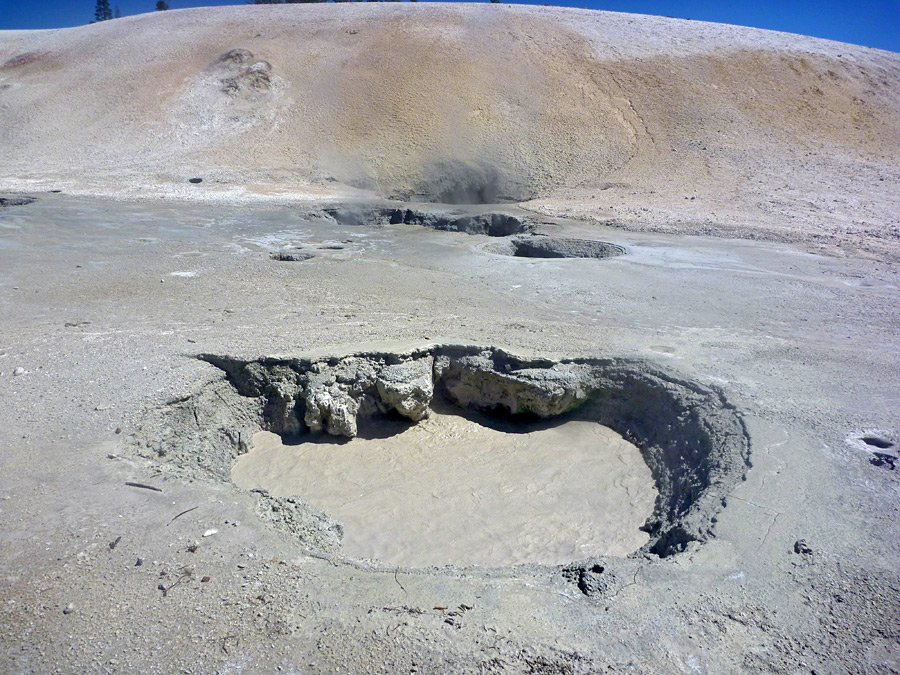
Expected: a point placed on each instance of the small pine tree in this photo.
(162, 6)
(118, 13)
(103, 12)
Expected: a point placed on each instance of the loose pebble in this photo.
(19, 370)
(210, 533)
(69, 609)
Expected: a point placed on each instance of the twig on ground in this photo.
(141, 485)
(181, 514)
(225, 642)
(398, 581)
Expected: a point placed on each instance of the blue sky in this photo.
(874, 23)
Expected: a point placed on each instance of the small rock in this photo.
(801, 547)
(69, 608)
(204, 580)
(139, 562)
(18, 370)
(210, 532)
(195, 180)
(407, 387)
(118, 430)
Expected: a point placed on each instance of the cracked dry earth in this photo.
(757, 381)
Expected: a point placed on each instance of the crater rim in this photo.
(692, 439)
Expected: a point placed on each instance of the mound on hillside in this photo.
(630, 120)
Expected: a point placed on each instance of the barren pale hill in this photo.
(639, 121)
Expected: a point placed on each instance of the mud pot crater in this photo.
(541, 246)
(17, 200)
(467, 220)
(344, 419)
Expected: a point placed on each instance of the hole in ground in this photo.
(16, 201)
(289, 256)
(877, 442)
(691, 440)
(883, 460)
(555, 247)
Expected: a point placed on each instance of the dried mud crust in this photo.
(692, 439)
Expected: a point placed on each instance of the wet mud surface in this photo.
(449, 490)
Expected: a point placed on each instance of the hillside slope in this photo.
(639, 121)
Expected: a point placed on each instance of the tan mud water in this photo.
(449, 491)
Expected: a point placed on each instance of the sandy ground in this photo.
(751, 178)
(449, 491)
